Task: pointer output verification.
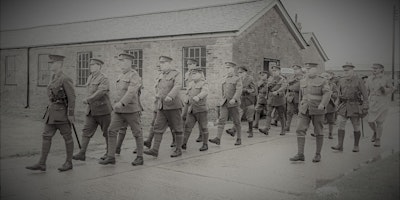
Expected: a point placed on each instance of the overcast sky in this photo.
(357, 31)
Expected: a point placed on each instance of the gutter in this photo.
(27, 77)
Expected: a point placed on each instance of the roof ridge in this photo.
(125, 16)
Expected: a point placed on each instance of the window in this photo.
(268, 62)
(138, 61)
(83, 67)
(43, 70)
(197, 53)
(10, 71)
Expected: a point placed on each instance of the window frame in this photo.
(137, 63)
(39, 84)
(201, 60)
(79, 76)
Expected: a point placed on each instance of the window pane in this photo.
(197, 52)
(203, 52)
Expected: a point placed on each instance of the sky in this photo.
(355, 31)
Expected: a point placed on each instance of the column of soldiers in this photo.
(313, 96)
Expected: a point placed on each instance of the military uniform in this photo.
(292, 98)
(353, 104)
(231, 90)
(314, 93)
(169, 111)
(276, 84)
(331, 107)
(128, 87)
(196, 110)
(98, 110)
(61, 94)
(261, 99)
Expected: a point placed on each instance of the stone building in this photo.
(252, 33)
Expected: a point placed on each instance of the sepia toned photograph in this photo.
(199, 99)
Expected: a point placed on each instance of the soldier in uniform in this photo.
(169, 107)
(196, 106)
(99, 106)
(276, 86)
(352, 105)
(127, 110)
(314, 96)
(59, 114)
(379, 88)
(231, 92)
(261, 97)
(247, 100)
(331, 107)
(292, 95)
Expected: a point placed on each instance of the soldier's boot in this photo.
(205, 142)
(319, 140)
(250, 130)
(139, 145)
(357, 135)
(257, 119)
(173, 144)
(300, 150)
(330, 127)
(231, 131)
(156, 145)
(105, 154)
(339, 147)
(69, 146)
(238, 141)
(288, 122)
(186, 136)
(41, 165)
(330, 135)
(373, 137)
(379, 130)
(120, 140)
(239, 134)
(264, 130)
(147, 143)
(282, 119)
(178, 140)
(215, 140)
(138, 161)
(274, 122)
(82, 153)
(200, 138)
(110, 159)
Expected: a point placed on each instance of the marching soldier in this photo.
(169, 107)
(59, 114)
(127, 110)
(231, 92)
(331, 107)
(379, 88)
(314, 95)
(275, 99)
(261, 97)
(292, 95)
(353, 104)
(247, 100)
(196, 106)
(99, 106)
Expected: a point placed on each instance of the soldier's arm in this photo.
(177, 86)
(133, 89)
(283, 87)
(363, 90)
(70, 92)
(239, 89)
(252, 88)
(389, 87)
(204, 91)
(326, 94)
(102, 89)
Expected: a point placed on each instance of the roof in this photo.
(231, 18)
(310, 37)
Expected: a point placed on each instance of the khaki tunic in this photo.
(128, 92)
(352, 95)
(379, 89)
(98, 99)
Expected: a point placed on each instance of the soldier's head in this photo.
(191, 63)
(165, 63)
(312, 69)
(297, 69)
(95, 65)
(276, 71)
(348, 70)
(242, 71)
(126, 61)
(230, 67)
(196, 74)
(264, 75)
(377, 68)
(56, 62)
(326, 75)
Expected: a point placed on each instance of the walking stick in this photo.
(362, 126)
(76, 135)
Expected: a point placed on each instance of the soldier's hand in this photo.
(196, 98)
(275, 93)
(85, 101)
(168, 99)
(232, 101)
(118, 105)
(321, 107)
(71, 119)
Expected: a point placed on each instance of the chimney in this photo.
(298, 24)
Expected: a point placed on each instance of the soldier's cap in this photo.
(126, 56)
(309, 65)
(165, 58)
(196, 69)
(264, 72)
(232, 64)
(243, 68)
(55, 58)
(348, 66)
(377, 65)
(276, 67)
(296, 66)
(325, 75)
(191, 61)
(97, 61)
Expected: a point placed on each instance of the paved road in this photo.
(258, 169)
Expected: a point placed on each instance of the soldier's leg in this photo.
(373, 127)
(234, 113)
(189, 124)
(232, 131)
(149, 139)
(330, 119)
(268, 117)
(301, 130)
(223, 116)
(289, 114)
(160, 125)
(104, 122)
(274, 117)
(318, 121)
(48, 133)
(379, 131)
(134, 121)
(355, 121)
(65, 130)
(117, 123)
(87, 132)
(341, 133)
(203, 123)
(250, 117)
(175, 122)
(121, 138)
(281, 115)
(259, 108)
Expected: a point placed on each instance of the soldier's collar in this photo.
(230, 74)
(168, 71)
(94, 74)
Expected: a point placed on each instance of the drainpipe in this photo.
(27, 77)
